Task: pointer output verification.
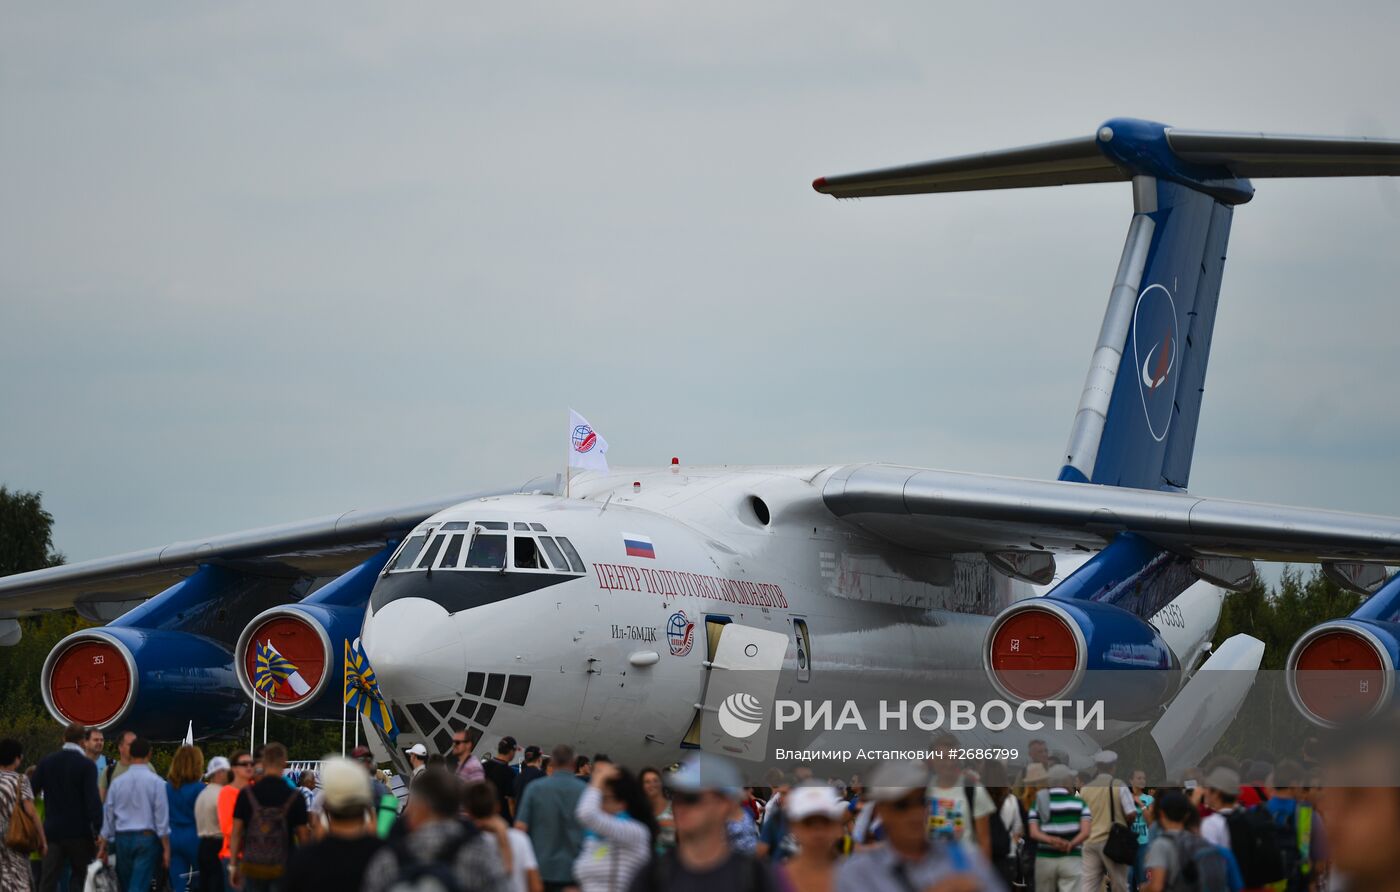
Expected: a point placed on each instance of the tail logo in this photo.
(1155, 347)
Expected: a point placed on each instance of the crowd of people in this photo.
(522, 820)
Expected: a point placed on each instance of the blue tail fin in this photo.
(1136, 424)
(1137, 417)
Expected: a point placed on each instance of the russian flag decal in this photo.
(638, 546)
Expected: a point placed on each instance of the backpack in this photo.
(1294, 835)
(1254, 843)
(1001, 837)
(437, 874)
(1203, 867)
(266, 844)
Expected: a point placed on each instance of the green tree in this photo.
(26, 533)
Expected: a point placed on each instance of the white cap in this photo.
(417, 749)
(218, 763)
(1105, 757)
(805, 802)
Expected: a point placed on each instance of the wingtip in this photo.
(819, 184)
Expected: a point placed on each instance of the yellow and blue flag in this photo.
(271, 670)
(362, 692)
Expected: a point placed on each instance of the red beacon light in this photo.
(636, 486)
(675, 465)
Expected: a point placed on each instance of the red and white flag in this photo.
(587, 448)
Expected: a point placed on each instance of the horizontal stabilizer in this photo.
(1064, 163)
(1273, 155)
(1217, 163)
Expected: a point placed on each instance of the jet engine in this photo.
(106, 676)
(1052, 649)
(309, 636)
(1344, 669)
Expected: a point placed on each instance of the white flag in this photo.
(587, 448)
(189, 735)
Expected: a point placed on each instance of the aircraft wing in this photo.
(947, 511)
(321, 546)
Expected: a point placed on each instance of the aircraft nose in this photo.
(415, 649)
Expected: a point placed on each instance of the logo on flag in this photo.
(362, 692)
(587, 448)
(638, 545)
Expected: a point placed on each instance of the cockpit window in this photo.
(493, 524)
(527, 554)
(487, 552)
(409, 552)
(556, 557)
(452, 553)
(537, 527)
(575, 562)
(521, 527)
(433, 548)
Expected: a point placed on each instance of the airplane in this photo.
(611, 613)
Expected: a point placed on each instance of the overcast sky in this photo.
(260, 262)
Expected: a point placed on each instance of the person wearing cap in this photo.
(498, 771)
(908, 859)
(1222, 792)
(339, 859)
(530, 771)
(206, 825)
(1059, 822)
(816, 816)
(546, 813)
(1110, 801)
(705, 790)
(417, 758)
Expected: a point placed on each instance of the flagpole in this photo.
(344, 683)
(267, 715)
(253, 728)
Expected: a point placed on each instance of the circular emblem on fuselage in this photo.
(680, 633)
(740, 714)
(584, 438)
(1156, 345)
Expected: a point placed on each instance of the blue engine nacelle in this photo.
(1344, 670)
(153, 681)
(1051, 649)
(311, 637)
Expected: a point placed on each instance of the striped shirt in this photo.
(1066, 810)
(615, 849)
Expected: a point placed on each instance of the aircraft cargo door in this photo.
(741, 679)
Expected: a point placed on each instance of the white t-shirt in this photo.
(950, 816)
(522, 858)
(1215, 831)
(1011, 820)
